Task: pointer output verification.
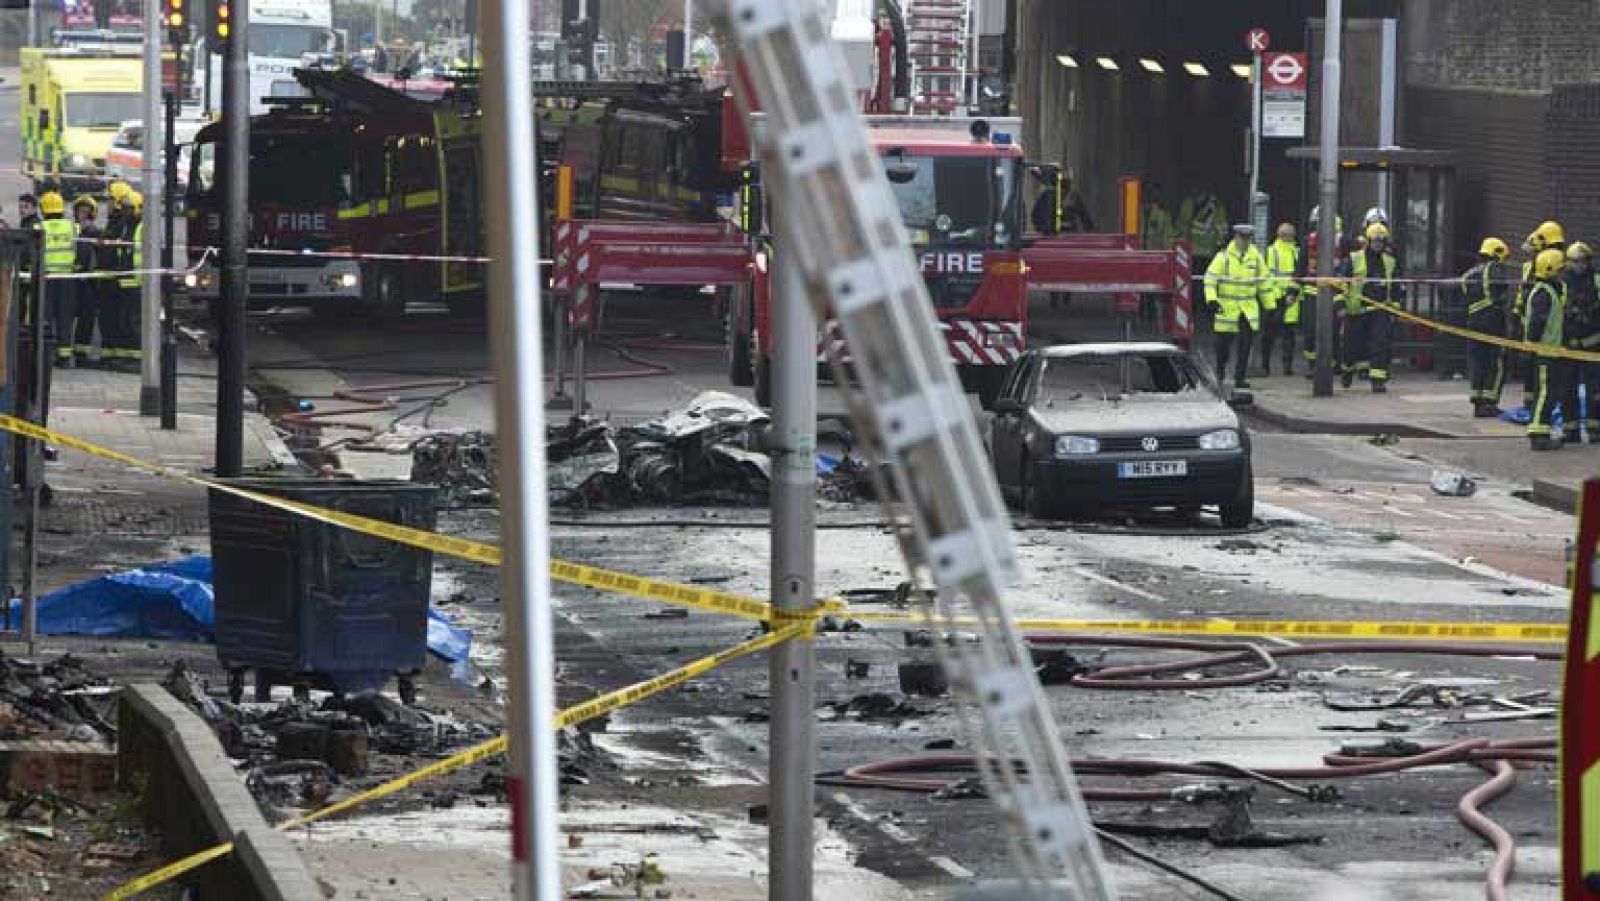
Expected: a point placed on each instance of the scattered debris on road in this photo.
(460, 464)
(1452, 484)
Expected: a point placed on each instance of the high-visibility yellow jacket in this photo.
(1283, 261)
(60, 244)
(1377, 287)
(1235, 284)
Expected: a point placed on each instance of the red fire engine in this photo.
(959, 186)
(362, 198)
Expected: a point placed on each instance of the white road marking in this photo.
(865, 816)
(954, 869)
(1114, 583)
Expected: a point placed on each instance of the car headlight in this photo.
(190, 280)
(75, 161)
(1076, 445)
(1222, 439)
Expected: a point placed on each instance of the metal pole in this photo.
(38, 411)
(1255, 146)
(688, 34)
(1328, 175)
(513, 227)
(169, 343)
(235, 234)
(1389, 69)
(793, 446)
(150, 181)
(580, 373)
(975, 21)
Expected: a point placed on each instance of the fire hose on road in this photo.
(1501, 758)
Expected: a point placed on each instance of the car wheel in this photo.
(1034, 501)
(387, 298)
(740, 370)
(763, 380)
(466, 306)
(1239, 512)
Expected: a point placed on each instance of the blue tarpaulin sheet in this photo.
(173, 601)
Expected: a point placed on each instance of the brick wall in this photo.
(1501, 187)
(1572, 166)
(1522, 46)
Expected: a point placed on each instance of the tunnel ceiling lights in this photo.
(1242, 70)
(1150, 65)
(1198, 70)
(1107, 63)
(1066, 59)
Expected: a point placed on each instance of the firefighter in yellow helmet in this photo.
(1583, 333)
(1486, 289)
(60, 253)
(119, 345)
(1369, 274)
(1548, 236)
(1236, 280)
(1546, 318)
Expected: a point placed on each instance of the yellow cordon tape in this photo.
(1533, 633)
(674, 593)
(679, 594)
(1543, 350)
(588, 710)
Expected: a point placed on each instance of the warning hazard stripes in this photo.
(971, 342)
(1580, 721)
(982, 342)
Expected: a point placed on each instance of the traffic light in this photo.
(176, 16)
(221, 23)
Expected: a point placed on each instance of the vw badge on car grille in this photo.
(1150, 444)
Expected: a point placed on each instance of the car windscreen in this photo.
(955, 200)
(299, 170)
(288, 41)
(1094, 378)
(89, 109)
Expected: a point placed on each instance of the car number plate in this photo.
(1152, 469)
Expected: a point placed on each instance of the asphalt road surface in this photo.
(1347, 531)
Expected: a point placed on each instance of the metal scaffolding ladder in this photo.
(939, 46)
(908, 407)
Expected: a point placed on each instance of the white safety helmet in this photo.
(1377, 214)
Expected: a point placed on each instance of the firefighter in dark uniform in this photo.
(91, 291)
(1545, 309)
(121, 346)
(1583, 333)
(28, 210)
(1487, 292)
(1369, 330)
(1548, 236)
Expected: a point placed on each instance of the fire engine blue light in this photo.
(1001, 137)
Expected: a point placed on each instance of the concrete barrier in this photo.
(191, 793)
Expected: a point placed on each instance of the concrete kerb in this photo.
(1310, 426)
(1561, 496)
(193, 795)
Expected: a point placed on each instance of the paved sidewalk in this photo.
(103, 407)
(1417, 404)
